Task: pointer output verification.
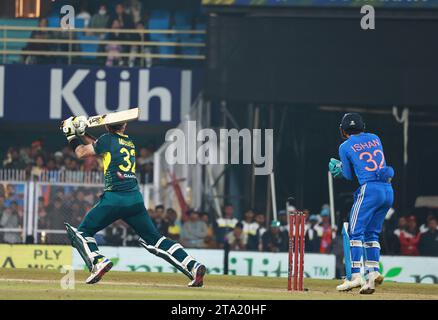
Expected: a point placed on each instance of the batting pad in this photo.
(81, 244)
(173, 253)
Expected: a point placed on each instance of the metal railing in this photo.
(68, 176)
(68, 37)
(13, 175)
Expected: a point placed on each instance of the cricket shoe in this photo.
(379, 279)
(99, 269)
(374, 278)
(198, 273)
(355, 282)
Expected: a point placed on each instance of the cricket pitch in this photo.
(46, 284)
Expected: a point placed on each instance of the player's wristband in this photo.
(74, 143)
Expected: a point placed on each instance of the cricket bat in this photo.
(114, 118)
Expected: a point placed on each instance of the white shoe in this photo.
(374, 278)
(99, 269)
(198, 273)
(355, 282)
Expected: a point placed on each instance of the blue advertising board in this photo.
(30, 93)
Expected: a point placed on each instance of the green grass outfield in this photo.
(45, 284)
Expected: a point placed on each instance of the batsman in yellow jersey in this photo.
(121, 200)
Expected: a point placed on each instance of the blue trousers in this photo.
(371, 204)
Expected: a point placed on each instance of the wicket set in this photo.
(296, 250)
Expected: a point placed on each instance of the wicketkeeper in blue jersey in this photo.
(362, 156)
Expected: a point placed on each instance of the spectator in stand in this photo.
(51, 164)
(237, 239)
(140, 37)
(36, 148)
(39, 166)
(410, 238)
(59, 159)
(124, 19)
(152, 214)
(25, 155)
(55, 214)
(327, 233)
(282, 217)
(429, 240)
(43, 222)
(74, 165)
(173, 225)
(84, 14)
(67, 163)
(145, 165)
(114, 50)
(194, 231)
(13, 160)
(100, 20)
(261, 221)
(77, 213)
(275, 240)
(394, 238)
(225, 224)
(13, 196)
(425, 226)
(16, 209)
(159, 219)
(145, 156)
(313, 234)
(134, 8)
(67, 152)
(10, 220)
(250, 227)
(114, 234)
(38, 46)
(209, 239)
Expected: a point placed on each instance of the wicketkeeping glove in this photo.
(335, 168)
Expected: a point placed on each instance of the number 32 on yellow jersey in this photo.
(128, 166)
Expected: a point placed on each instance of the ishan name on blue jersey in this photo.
(363, 154)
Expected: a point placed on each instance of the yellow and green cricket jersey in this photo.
(118, 153)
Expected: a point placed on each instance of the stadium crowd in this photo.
(116, 15)
(35, 160)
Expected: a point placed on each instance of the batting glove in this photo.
(80, 124)
(68, 129)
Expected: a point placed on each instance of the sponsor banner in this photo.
(240, 263)
(328, 3)
(266, 264)
(30, 93)
(409, 269)
(35, 256)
